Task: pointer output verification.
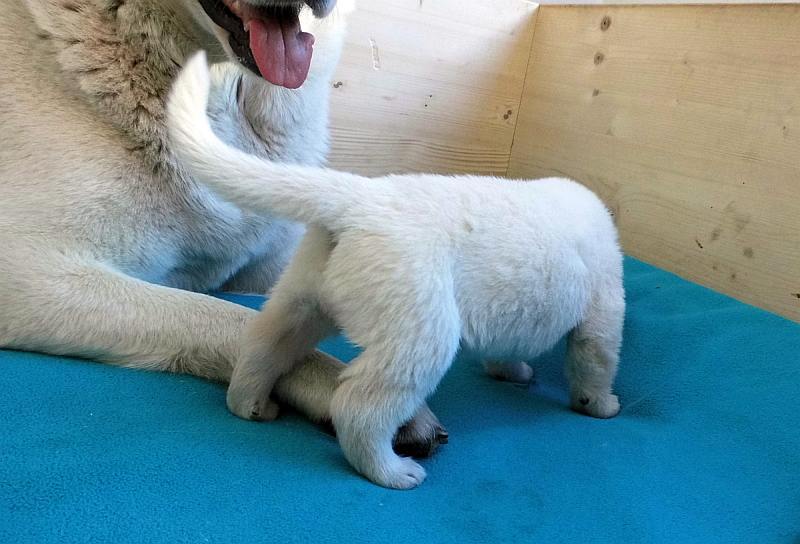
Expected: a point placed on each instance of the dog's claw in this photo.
(421, 436)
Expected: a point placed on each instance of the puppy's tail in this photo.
(305, 194)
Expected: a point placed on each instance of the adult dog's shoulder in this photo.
(102, 50)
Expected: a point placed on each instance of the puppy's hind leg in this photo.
(286, 331)
(377, 394)
(593, 353)
(403, 361)
(275, 341)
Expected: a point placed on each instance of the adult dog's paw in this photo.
(421, 436)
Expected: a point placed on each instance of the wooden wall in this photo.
(431, 85)
(685, 119)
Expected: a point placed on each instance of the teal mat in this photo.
(706, 449)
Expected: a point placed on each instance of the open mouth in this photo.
(266, 39)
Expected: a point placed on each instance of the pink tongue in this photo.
(282, 51)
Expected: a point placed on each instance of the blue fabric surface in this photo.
(706, 449)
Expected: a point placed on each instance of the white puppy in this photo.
(411, 268)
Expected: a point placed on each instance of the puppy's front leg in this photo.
(593, 352)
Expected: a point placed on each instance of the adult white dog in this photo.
(103, 233)
(412, 267)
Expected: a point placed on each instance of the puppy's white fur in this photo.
(411, 267)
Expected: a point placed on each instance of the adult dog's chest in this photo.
(212, 239)
(216, 239)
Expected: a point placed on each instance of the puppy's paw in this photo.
(400, 473)
(602, 406)
(517, 372)
(252, 406)
(421, 436)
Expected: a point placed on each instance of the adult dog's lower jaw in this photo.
(266, 36)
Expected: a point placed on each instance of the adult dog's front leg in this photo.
(74, 307)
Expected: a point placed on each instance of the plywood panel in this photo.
(686, 119)
(430, 85)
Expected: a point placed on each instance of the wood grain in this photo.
(686, 119)
(430, 86)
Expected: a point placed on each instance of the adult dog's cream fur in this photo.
(103, 233)
(411, 267)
